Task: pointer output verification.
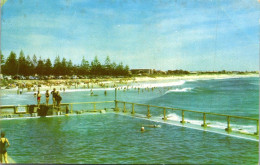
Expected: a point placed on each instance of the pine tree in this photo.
(119, 69)
(96, 67)
(2, 62)
(64, 69)
(40, 67)
(70, 68)
(34, 61)
(108, 66)
(11, 65)
(84, 67)
(2, 58)
(113, 69)
(57, 66)
(126, 71)
(21, 64)
(48, 67)
(29, 69)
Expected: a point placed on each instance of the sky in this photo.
(194, 35)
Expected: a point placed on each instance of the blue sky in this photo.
(161, 34)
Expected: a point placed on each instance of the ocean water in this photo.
(115, 138)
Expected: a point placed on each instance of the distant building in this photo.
(142, 71)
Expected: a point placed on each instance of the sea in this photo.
(115, 137)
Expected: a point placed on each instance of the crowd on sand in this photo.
(32, 85)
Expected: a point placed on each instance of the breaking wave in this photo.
(179, 90)
(215, 124)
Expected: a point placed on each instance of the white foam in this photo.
(179, 90)
(255, 84)
(215, 124)
(236, 136)
(174, 117)
(152, 85)
(17, 118)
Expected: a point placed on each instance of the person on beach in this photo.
(39, 98)
(47, 95)
(53, 97)
(4, 144)
(58, 99)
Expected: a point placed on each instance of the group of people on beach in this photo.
(56, 98)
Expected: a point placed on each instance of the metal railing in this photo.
(129, 106)
(94, 106)
(183, 111)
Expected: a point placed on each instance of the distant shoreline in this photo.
(197, 76)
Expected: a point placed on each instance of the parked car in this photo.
(66, 77)
(81, 77)
(7, 77)
(58, 77)
(51, 77)
(73, 77)
(32, 78)
(22, 78)
(16, 77)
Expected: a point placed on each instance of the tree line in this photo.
(27, 66)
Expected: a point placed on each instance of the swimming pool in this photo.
(113, 138)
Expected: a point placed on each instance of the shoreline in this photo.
(197, 77)
(97, 83)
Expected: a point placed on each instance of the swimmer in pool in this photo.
(153, 126)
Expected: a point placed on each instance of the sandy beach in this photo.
(195, 77)
(43, 85)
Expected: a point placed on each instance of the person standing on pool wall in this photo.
(47, 95)
(53, 96)
(39, 98)
(4, 144)
(58, 99)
